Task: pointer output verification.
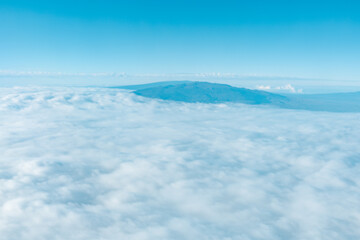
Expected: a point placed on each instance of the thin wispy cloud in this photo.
(286, 88)
(11, 73)
(210, 75)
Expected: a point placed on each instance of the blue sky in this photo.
(310, 39)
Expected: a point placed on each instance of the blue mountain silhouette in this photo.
(205, 92)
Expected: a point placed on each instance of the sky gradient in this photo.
(308, 39)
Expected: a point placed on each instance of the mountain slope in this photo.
(205, 92)
(150, 85)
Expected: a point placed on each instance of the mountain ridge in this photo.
(205, 92)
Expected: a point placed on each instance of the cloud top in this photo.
(107, 164)
(210, 93)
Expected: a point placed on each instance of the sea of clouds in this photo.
(97, 163)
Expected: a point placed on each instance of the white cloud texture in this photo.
(287, 87)
(106, 164)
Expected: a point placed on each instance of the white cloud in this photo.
(169, 76)
(290, 88)
(106, 164)
(287, 87)
(263, 87)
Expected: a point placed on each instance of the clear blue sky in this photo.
(315, 39)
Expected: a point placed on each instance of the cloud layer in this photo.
(107, 164)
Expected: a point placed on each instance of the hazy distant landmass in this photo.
(205, 92)
(150, 85)
(333, 102)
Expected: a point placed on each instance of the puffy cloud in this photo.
(290, 88)
(263, 87)
(287, 87)
(107, 164)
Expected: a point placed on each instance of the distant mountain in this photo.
(149, 85)
(205, 92)
(333, 102)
